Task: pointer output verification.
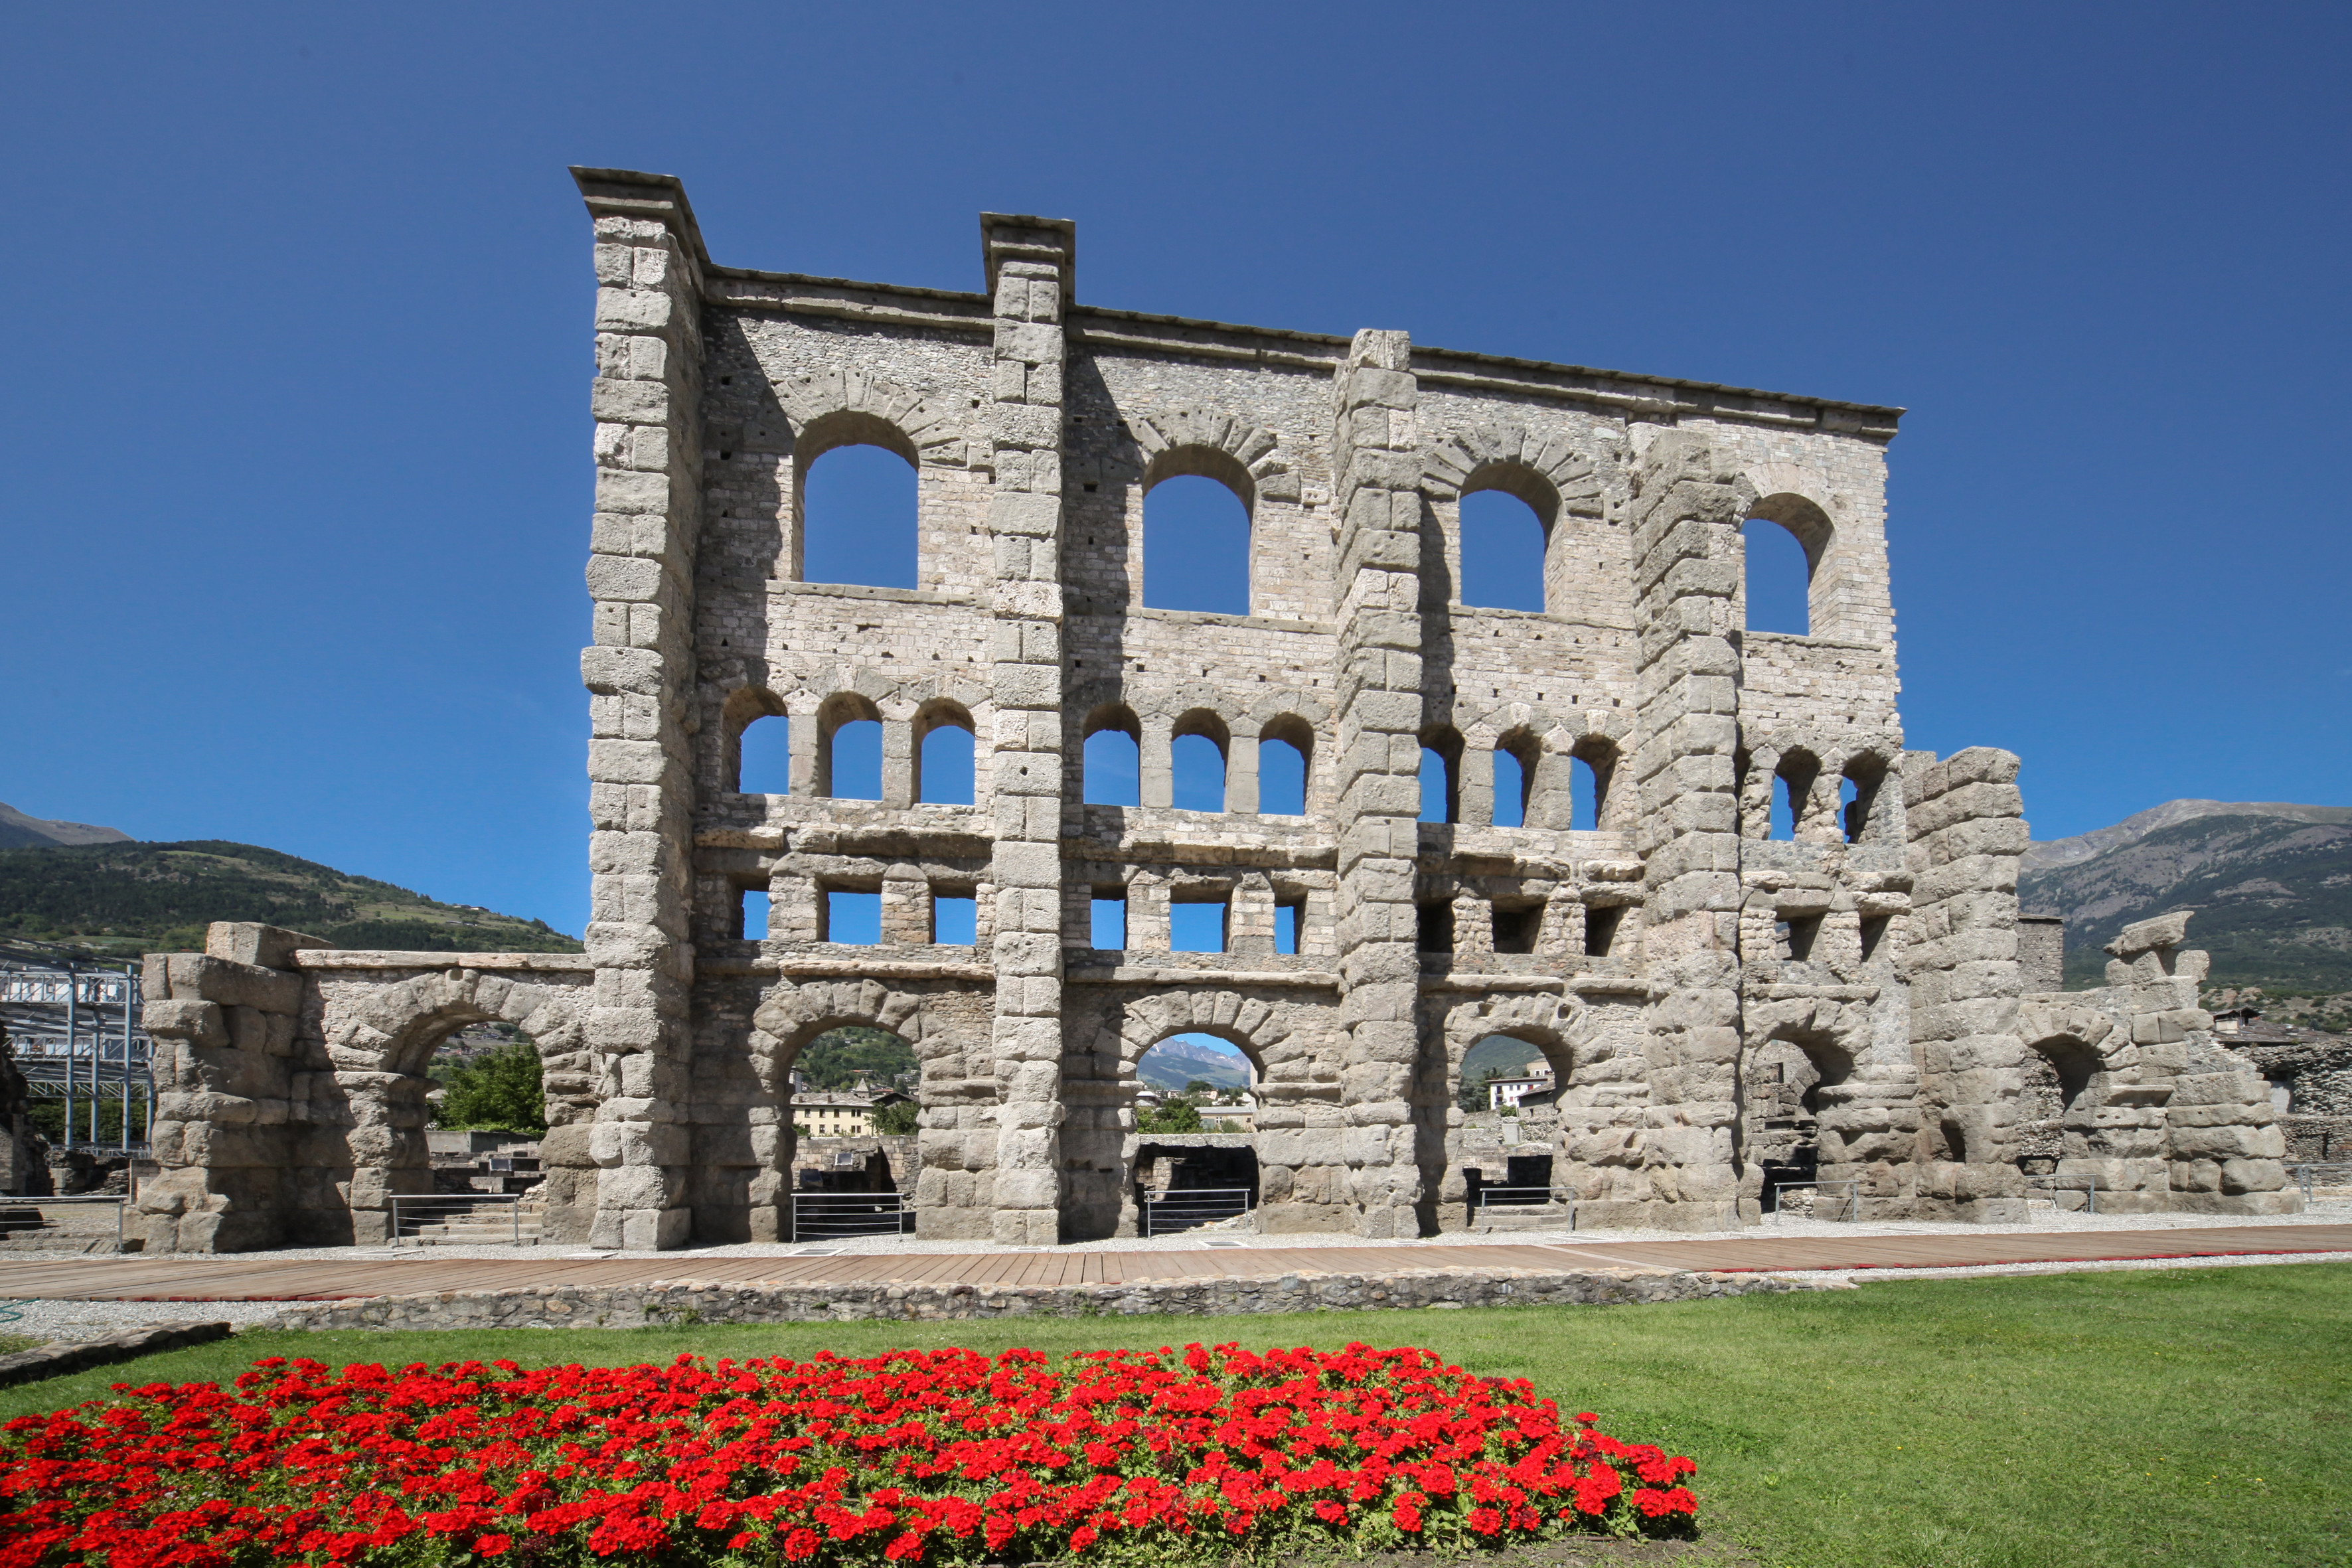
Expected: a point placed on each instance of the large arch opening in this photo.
(1196, 533)
(1785, 1099)
(1195, 1165)
(2062, 1087)
(943, 755)
(1503, 546)
(1110, 758)
(849, 1107)
(1284, 748)
(849, 748)
(857, 501)
(1785, 537)
(1508, 1172)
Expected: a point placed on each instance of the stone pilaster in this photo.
(1030, 268)
(1377, 482)
(1684, 516)
(647, 398)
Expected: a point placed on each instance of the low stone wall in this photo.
(691, 1301)
(56, 1360)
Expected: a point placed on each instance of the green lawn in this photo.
(2199, 1417)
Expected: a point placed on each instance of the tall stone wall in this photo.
(1733, 1009)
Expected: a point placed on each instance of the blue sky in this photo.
(294, 467)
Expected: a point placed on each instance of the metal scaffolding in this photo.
(74, 1028)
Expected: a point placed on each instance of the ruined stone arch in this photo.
(1552, 471)
(1552, 1022)
(841, 408)
(1247, 459)
(401, 1024)
(1833, 1037)
(1251, 1024)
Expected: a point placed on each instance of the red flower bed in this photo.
(916, 1457)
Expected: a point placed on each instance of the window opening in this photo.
(1515, 926)
(1108, 921)
(853, 918)
(1436, 926)
(1281, 778)
(1796, 935)
(1112, 775)
(1779, 579)
(1784, 816)
(858, 518)
(1511, 790)
(1196, 541)
(853, 760)
(1289, 919)
(1201, 1069)
(1437, 786)
(1859, 793)
(1199, 769)
(1586, 788)
(955, 919)
(764, 757)
(1502, 552)
(1600, 929)
(943, 766)
(1197, 925)
(751, 915)
(1874, 931)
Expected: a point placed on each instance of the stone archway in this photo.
(1803, 1115)
(368, 1141)
(1532, 1150)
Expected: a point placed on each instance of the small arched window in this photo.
(1502, 552)
(943, 758)
(1111, 760)
(849, 750)
(1282, 751)
(1785, 537)
(1858, 796)
(1588, 789)
(1517, 760)
(858, 515)
(764, 756)
(1440, 783)
(1196, 760)
(1792, 787)
(1196, 545)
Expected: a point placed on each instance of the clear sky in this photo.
(294, 471)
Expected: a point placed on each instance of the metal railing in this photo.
(1523, 1198)
(411, 1212)
(12, 1208)
(1773, 1190)
(2051, 1186)
(2316, 1172)
(1189, 1208)
(826, 1217)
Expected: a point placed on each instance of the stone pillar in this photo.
(1969, 836)
(897, 760)
(647, 399)
(1030, 268)
(241, 1170)
(1241, 771)
(1686, 517)
(1377, 495)
(1155, 762)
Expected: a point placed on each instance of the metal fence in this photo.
(15, 1221)
(1523, 1198)
(2319, 1174)
(1851, 1204)
(2051, 1186)
(75, 1032)
(1187, 1208)
(827, 1216)
(411, 1212)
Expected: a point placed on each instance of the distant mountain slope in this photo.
(19, 831)
(2270, 883)
(1173, 1063)
(129, 897)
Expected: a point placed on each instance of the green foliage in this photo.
(158, 898)
(499, 1090)
(2115, 1420)
(1199, 1086)
(1178, 1115)
(833, 1060)
(900, 1118)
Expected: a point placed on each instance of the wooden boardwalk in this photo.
(262, 1278)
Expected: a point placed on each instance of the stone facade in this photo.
(1725, 1011)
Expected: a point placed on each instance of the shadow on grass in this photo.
(2197, 1416)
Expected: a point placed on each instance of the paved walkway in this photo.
(261, 1279)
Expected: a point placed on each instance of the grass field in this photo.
(2199, 1417)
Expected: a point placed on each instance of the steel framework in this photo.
(74, 1028)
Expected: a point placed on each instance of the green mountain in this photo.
(120, 899)
(2271, 885)
(1172, 1064)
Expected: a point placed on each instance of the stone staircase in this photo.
(485, 1224)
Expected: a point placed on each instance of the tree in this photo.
(833, 1060)
(1475, 1095)
(897, 1118)
(499, 1091)
(1199, 1086)
(1175, 1115)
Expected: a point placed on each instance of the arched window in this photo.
(1590, 771)
(1785, 537)
(1200, 1067)
(849, 750)
(841, 1070)
(1516, 759)
(1196, 758)
(1858, 792)
(943, 756)
(1196, 542)
(1282, 749)
(1111, 759)
(1440, 783)
(1502, 552)
(1792, 787)
(764, 756)
(858, 513)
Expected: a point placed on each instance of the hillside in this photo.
(18, 831)
(126, 898)
(1173, 1063)
(2271, 886)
